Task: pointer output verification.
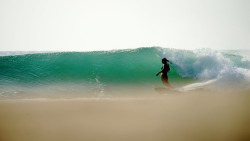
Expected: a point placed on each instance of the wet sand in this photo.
(184, 117)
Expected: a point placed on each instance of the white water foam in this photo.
(210, 68)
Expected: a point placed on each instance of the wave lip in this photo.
(15, 53)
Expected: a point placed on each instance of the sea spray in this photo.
(228, 71)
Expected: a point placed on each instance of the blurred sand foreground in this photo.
(185, 117)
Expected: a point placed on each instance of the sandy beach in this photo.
(187, 117)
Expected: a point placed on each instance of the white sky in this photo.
(83, 25)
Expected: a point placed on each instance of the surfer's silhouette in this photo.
(164, 70)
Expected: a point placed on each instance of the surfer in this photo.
(164, 69)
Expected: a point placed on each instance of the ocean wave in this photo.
(101, 69)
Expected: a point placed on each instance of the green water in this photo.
(121, 67)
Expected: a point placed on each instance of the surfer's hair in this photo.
(164, 60)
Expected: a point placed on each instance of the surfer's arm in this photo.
(158, 73)
(162, 68)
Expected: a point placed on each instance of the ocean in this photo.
(109, 73)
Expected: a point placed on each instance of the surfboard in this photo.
(162, 90)
(187, 88)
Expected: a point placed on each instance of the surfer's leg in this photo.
(165, 82)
